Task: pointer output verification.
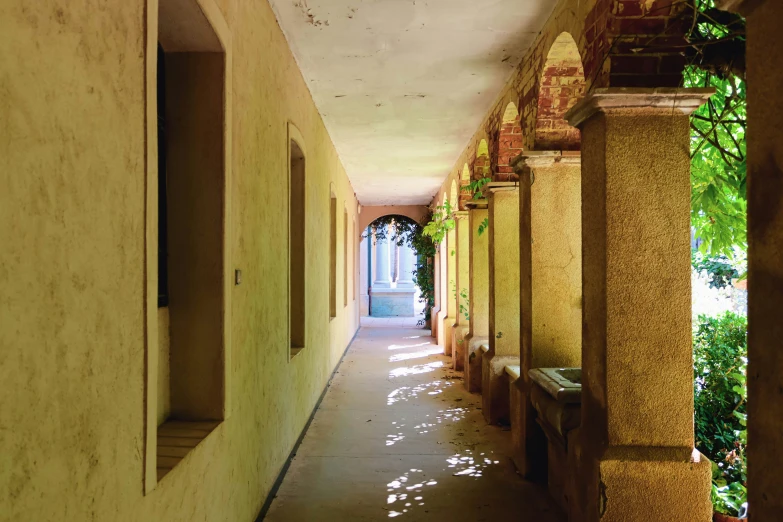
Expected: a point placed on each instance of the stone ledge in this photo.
(618, 98)
(545, 158)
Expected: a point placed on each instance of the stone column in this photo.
(550, 246)
(435, 311)
(503, 211)
(478, 279)
(382, 276)
(637, 378)
(450, 315)
(764, 19)
(443, 284)
(394, 255)
(462, 275)
(405, 279)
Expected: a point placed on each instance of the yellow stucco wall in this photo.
(72, 269)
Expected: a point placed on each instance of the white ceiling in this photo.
(403, 84)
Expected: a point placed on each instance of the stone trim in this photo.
(545, 158)
(502, 186)
(607, 99)
(476, 204)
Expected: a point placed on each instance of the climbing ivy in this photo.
(475, 187)
(440, 223)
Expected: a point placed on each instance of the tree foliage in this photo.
(720, 359)
(718, 149)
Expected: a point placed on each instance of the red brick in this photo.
(628, 8)
(642, 64)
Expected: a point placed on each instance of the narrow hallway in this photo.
(398, 436)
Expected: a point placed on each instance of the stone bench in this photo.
(494, 385)
(472, 368)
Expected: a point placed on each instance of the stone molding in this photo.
(461, 214)
(619, 98)
(476, 204)
(545, 158)
(502, 186)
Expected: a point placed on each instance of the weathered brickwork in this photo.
(510, 144)
(619, 43)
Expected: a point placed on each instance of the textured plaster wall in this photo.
(765, 266)
(72, 219)
(556, 267)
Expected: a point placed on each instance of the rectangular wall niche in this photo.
(191, 202)
(345, 258)
(296, 245)
(333, 256)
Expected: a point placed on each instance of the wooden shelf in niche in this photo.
(176, 439)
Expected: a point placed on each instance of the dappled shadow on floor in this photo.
(397, 436)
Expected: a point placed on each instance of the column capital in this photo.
(476, 204)
(743, 7)
(460, 214)
(501, 186)
(545, 158)
(610, 99)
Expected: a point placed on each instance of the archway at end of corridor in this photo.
(396, 279)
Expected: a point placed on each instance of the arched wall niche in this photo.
(510, 144)
(562, 85)
(482, 167)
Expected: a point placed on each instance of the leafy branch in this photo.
(441, 222)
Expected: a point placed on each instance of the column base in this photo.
(473, 363)
(434, 321)
(494, 387)
(529, 444)
(634, 484)
(448, 326)
(458, 348)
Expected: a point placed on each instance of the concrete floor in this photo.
(397, 436)
(390, 322)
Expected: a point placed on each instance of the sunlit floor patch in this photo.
(415, 355)
(404, 371)
(401, 346)
(407, 393)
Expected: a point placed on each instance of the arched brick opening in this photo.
(481, 167)
(562, 84)
(464, 181)
(510, 144)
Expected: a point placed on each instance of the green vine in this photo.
(424, 274)
(475, 187)
(441, 222)
(464, 304)
(483, 226)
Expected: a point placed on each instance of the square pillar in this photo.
(450, 284)
(435, 310)
(478, 278)
(550, 247)
(638, 461)
(503, 212)
(764, 56)
(462, 271)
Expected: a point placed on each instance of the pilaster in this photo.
(637, 375)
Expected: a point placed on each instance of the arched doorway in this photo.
(388, 272)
